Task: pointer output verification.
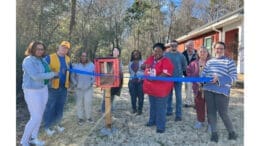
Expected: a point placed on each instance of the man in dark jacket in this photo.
(190, 54)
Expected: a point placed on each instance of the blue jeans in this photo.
(177, 88)
(55, 105)
(157, 112)
(136, 91)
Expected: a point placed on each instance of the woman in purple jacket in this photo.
(193, 70)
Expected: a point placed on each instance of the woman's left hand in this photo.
(215, 78)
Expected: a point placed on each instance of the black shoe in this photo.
(139, 112)
(160, 131)
(232, 136)
(188, 105)
(80, 122)
(214, 137)
(177, 119)
(90, 121)
(134, 111)
(149, 124)
(168, 114)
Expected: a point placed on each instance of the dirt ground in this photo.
(130, 129)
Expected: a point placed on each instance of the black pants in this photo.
(136, 92)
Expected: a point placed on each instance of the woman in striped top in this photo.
(223, 71)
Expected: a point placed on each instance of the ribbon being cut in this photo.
(169, 79)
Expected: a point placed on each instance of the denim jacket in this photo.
(140, 72)
(34, 73)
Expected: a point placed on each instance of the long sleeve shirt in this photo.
(139, 72)
(82, 81)
(193, 70)
(34, 73)
(189, 58)
(225, 69)
(179, 62)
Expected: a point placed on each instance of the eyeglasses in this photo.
(219, 48)
(174, 45)
(203, 51)
(39, 49)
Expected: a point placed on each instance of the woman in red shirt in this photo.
(157, 66)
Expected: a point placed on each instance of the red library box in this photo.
(107, 70)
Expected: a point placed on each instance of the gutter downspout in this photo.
(219, 33)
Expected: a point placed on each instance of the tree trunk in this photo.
(72, 18)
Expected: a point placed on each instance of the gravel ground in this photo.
(130, 129)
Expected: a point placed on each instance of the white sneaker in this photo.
(198, 125)
(59, 128)
(49, 132)
(37, 142)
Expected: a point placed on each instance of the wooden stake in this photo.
(108, 121)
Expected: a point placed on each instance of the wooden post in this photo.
(108, 121)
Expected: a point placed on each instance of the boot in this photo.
(214, 137)
(139, 112)
(232, 136)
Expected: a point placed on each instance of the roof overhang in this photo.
(228, 19)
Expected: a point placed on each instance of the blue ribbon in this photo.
(169, 79)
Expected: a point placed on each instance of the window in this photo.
(208, 43)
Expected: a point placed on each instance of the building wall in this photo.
(233, 34)
(199, 40)
(231, 41)
(240, 65)
(198, 43)
(181, 47)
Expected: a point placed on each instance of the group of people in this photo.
(47, 78)
(45, 84)
(166, 61)
(210, 98)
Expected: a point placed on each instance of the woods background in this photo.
(96, 26)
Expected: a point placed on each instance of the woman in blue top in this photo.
(35, 80)
(135, 84)
(84, 88)
(223, 71)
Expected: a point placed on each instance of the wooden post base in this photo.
(108, 120)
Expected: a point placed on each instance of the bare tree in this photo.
(213, 9)
(72, 18)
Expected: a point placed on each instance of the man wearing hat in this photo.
(58, 62)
